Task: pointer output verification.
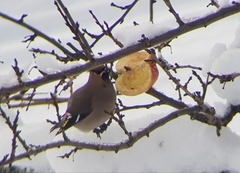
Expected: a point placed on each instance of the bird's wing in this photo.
(79, 107)
(68, 121)
(80, 102)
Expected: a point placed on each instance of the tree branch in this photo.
(119, 21)
(37, 33)
(201, 22)
(105, 147)
(175, 14)
(74, 27)
(16, 133)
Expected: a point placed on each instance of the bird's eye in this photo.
(105, 75)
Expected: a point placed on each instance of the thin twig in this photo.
(136, 135)
(106, 147)
(162, 45)
(74, 27)
(120, 7)
(14, 139)
(177, 66)
(53, 96)
(102, 128)
(38, 33)
(145, 106)
(30, 98)
(58, 57)
(109, 33)
(205, 86)
(214, 3)
(106, 31)
(175, 14)
(18, 72)
(11, 126)
(121, 123)
(225, 78)
(151, 3)
(201, 22)
(67, 155)
(119, 21)
(163, 64)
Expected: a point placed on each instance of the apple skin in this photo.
(137, 73)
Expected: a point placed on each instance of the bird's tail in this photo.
(62, 124)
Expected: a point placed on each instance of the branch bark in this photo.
(201, 22)
(103, 146)
(200, 112)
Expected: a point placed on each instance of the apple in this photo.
(136, 73)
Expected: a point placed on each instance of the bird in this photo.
(90, 105)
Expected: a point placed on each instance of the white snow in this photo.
(223, 61)
(51, 65)
(129, 35)
(9, 77)
(227, 63)
(236, 41)
(33, 133)
(181, 145)
(188, 147)
(224, 3)
(216, 51)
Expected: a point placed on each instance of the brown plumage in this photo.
(88, 105)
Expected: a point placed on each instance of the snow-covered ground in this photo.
(182, 145)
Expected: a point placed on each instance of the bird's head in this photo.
(102, 71)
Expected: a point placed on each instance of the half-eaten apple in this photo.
(136, 73)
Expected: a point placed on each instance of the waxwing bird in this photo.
(89, 106)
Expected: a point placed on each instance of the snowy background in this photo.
(181, 145)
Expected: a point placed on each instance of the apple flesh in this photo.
(136, 73)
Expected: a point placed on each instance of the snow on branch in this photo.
(194, 112)
(116, 147)
(199, 110)
(187, 27)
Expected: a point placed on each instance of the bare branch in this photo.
(192, 111)
(119, 21)
(58, 116)
(175, 14)
(145, 106)
(109, 33)
(106, 147)
(119, 120)
(164, 65)
(74, 27)
(102, 128)
(38, 33)
(30, 39)
(214, 3)
(202, 22)
(224, 78)
(120, 7)
(18, 72)
(31, 97)
(106, 31)
(177, 66)
(200, 112)
(27, 99)
(16, 133)
(67, 155)
(22, 17)
(58, 57)
(151, 9)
